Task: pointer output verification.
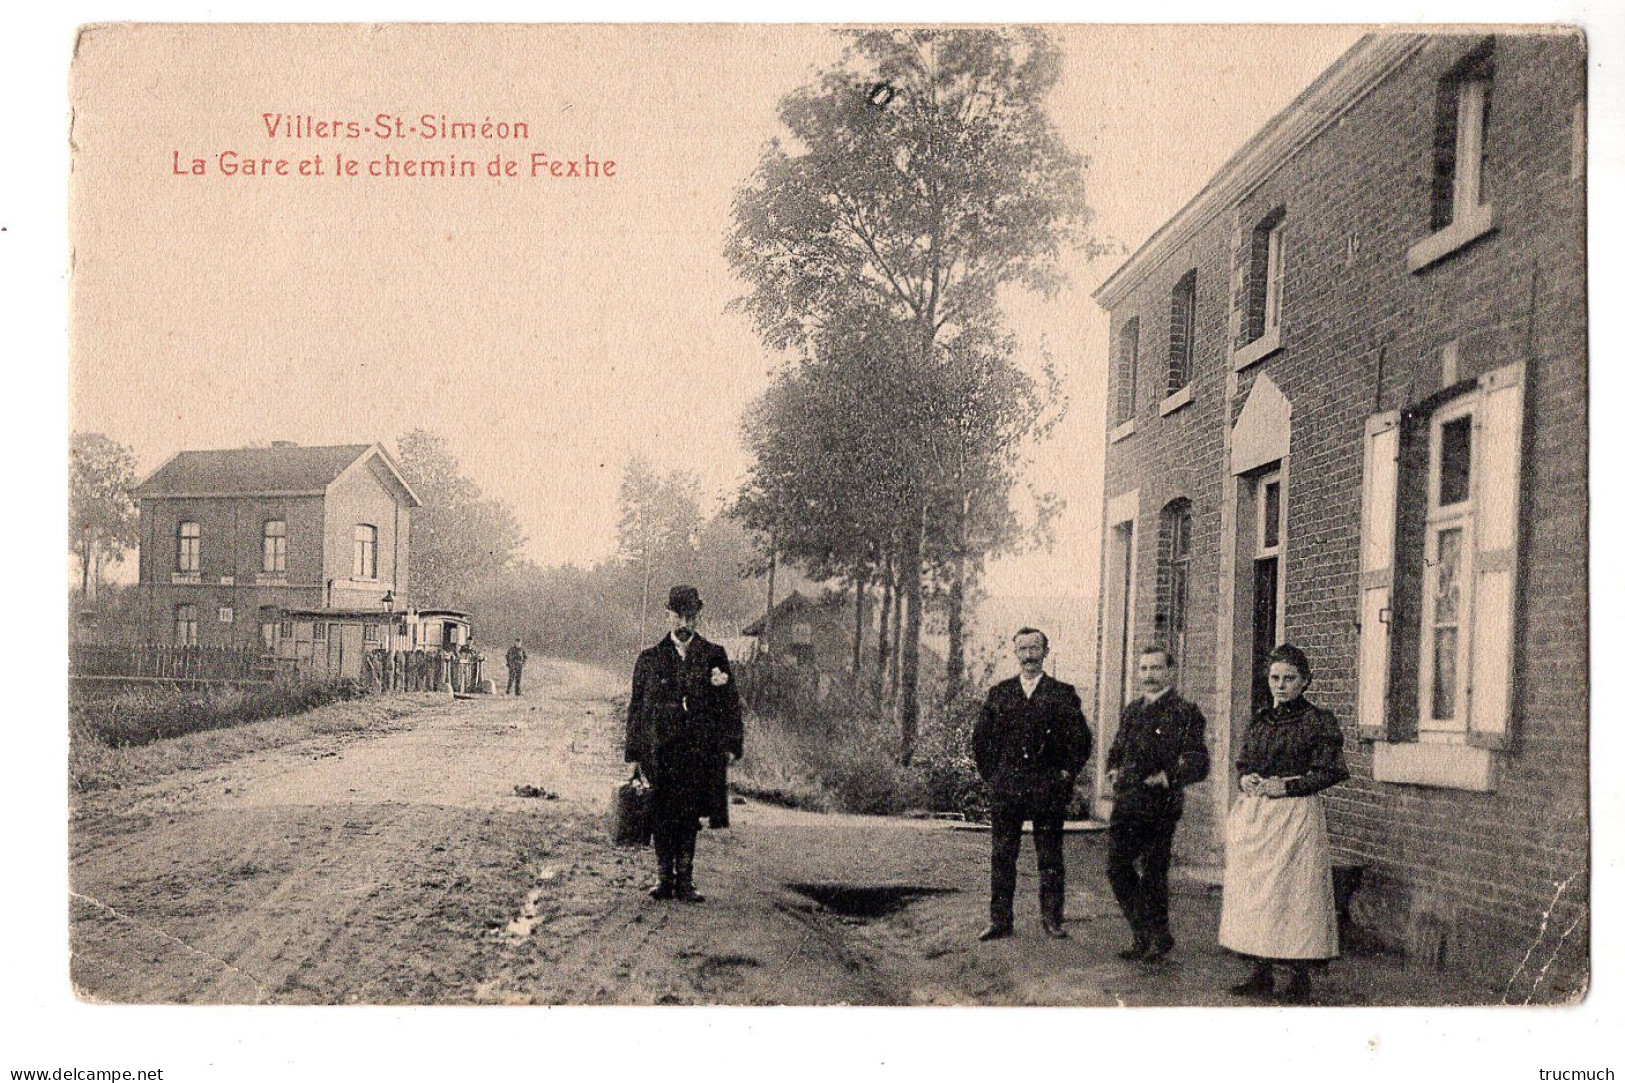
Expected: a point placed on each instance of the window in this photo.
(1128, 369)
(1460, 210)
(1182, 332)
(1266, 276)
(286, 631)
(268, 626)
(369, 632)
(1460, 116)
(319, 631)
(1438, 568)
(186, 625)
(274, 546)
(227, 614)
(1274, 275)
(1173, 580)
(1447, 564)
(366, 552)
(188, 547)
(1268, 596)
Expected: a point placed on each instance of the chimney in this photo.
(284, 443)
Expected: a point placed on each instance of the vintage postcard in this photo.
(811, 515)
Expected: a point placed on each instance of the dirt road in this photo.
(404, 868)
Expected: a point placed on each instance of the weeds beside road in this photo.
(134, 737)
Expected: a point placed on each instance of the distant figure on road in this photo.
(516, 667)
(1030, 744)
(1161, 747)
(682, 725)
(1278, 905)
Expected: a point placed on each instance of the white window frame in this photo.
(365, 564)
(1126, 404)
(1470, 216)
(274, 547)
(1260, 550)
(1274, 276)
(188, 557)
(1471, 97)
(186, 624)
(1440, 519)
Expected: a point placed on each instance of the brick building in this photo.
(233, 540)
(1347, 409)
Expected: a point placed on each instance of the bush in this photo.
(846, 761)
(944, 766)
(140, 716)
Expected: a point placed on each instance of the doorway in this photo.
(1117, 640)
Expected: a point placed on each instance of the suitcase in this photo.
(629, 812)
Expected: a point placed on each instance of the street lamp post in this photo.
(389, 650)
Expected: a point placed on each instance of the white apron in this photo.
(1278, 880)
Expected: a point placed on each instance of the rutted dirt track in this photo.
(403, 868)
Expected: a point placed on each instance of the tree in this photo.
(658, 527)
(460, 538)
(1001, 411)
(102, 518)
(921, 177)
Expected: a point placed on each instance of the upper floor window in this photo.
(186, 625)
(1182, 332)
(366, 552)
(274, 546)
(188, 547)
(1266, 276)
(1128, 369)
(1460, 120)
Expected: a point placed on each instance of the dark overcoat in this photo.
(682, 723)
(1022, 745)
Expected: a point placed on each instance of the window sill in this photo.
(1122, 432)
(1458, 234)
(186, 578)
(1434, 763)
(1179, 398)
(1256, 350)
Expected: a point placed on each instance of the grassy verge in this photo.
(847, 762)
(132, 738)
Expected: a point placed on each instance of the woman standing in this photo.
(1278, 907)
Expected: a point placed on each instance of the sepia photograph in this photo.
(688, 516)
(825, 522)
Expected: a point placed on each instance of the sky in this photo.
(550, 329)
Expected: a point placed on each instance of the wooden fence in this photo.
(411, 671)
(163, 662)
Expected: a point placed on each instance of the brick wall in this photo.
(1461, 878)
(230, 549)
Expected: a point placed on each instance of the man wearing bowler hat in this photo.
(682, 725)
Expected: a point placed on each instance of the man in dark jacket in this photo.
(682, 724)
(1160, 748)
(1030, 744)
(516, 667)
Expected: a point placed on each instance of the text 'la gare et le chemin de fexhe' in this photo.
(231, 163)
(383, 127)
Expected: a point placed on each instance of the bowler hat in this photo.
(684, 601)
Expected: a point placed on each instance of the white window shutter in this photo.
(1379, 505)
(1498, 438)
